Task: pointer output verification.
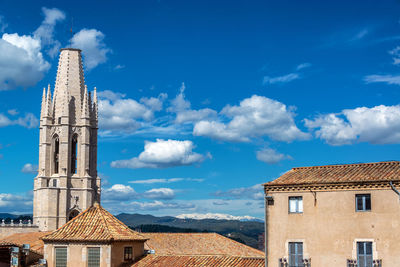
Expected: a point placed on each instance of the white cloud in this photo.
(91, 42)
(118, 114)
(165, 181)
(389, 79)
(156, 205)
(182, 108)
(28, 121)
(376, 125)
(270, 156)
(3, 24)
(281, 79)
(45, 32)
(254, 192)
(30, 168)
(163, 154)
(119, 192)
(396, 55)
(154, 103)
(255, 117)
(21, 62)
(15, 203)
(216, 216)
(160, 193)
(303, 66)
(12, 112)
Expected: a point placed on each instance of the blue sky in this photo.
(202, 101)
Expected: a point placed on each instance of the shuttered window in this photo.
(61, 256)
(128, 255)
(93, 257)
(364, 254)
(295, 254)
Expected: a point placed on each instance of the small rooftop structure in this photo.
(94, 224)
(377, 172)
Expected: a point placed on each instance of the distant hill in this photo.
(8, 217)
(247, 231)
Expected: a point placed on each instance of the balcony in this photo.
(284, 262)
(353, 263)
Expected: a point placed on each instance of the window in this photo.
(56, 153)
(61, 256)
(74, 153)
(128, 255)
(54, 182)
(364, 254)
(295, 204)
(363, 202)
(295, 254)
(93, 257)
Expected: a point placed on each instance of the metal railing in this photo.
(353, 263)
(283, 262)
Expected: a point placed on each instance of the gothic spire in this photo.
(47, 109)
(85, 105)
(43, 103)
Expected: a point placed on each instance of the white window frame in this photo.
(297, 201)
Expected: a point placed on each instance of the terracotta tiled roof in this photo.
(32, 238)
(94, 224)
(346, 173)
(198, 244)
(205, 261)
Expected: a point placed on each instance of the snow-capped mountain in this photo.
(217, 216)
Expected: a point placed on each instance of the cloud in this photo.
(119, 66)
(15, 203)
(28, 121)
(376, 125)
(30, 168)
(118, 114)
(154, 206)
(12, 112)
(120, 192)
(3, 24)
(21, 61)
(254, 192)
(184, 113)
(270, 156)
(163, 154)
(221, 202)
(91, 42)
(281, 79)
(303, 66)
(45, 32)
(396, 55)
(216, 216)
(389, 79)
(165, 181)
(255, 117)
(159, 193)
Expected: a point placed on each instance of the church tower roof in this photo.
(70, 81)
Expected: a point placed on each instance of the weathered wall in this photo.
(330, 229)
(77, 253)
(6, 230)
(117, 257)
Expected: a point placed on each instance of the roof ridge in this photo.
(349, 164)
(104, 219)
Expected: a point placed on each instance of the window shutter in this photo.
(93, 257)
(61, 257)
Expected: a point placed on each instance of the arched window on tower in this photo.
(74, 153)
(56, 143)
(73, 214)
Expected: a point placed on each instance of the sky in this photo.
(203, 101)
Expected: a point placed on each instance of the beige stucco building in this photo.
(337, 215)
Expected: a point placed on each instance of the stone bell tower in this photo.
(67, 181)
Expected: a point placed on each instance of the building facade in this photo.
(67, 180)
(338, 215)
